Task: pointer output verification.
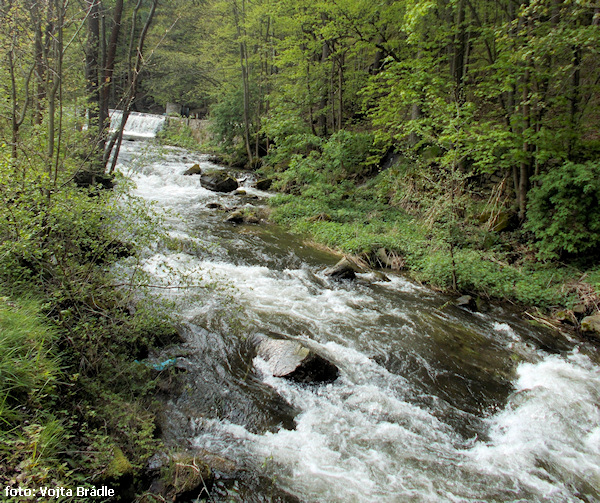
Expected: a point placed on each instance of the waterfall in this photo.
(139, 125)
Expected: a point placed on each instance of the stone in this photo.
(84, 179)
(564, 316)
(194, 170)
(214, 206)
(218, 181)
(580, 310)
(467, 302)
(293, 360)
(344, 269)
(240, 192)
(241, 217)
(379, 276)
(263, 184)
(591, 325)
(235, 217)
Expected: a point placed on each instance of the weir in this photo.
(433, 403)
(139, 125)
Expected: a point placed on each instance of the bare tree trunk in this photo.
(134, 72)
(95, 119)
(322, 119)
(524, 169)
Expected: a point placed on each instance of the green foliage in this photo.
(178, 134)
(28, 369)
(564, 210)
(61, 244)
(31, 437)
(345, 153)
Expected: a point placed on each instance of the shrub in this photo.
(346, 152)
(564, 210)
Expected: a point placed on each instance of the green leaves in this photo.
(564, 210)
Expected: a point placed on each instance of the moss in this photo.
(119, 465)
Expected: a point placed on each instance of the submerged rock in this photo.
(591, 325)
(218, 181)
(293, 360)
(194, 170)
(344, 269)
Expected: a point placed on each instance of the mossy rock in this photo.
(119, 465)
(591, 326)
(194, 170)
(263, 184)
(185, 477)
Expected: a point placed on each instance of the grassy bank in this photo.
(76, 409)
(448, 244)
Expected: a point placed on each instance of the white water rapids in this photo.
(433, 404)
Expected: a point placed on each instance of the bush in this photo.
(178, 134)
(346, 152)
(564, 210)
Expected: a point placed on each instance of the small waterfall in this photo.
(139, 125)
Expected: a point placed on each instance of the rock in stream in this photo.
(293, 360)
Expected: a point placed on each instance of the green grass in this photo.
(32, 437)
(359, 220)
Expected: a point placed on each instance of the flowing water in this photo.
(433, 403)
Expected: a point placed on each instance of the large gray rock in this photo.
(467, 302)
(344, 269)
(591, 325)
(218, 181)
(293, 360)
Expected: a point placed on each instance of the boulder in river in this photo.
(194, 170)
(218, 181)
(344, 269)
(235, 217)
(293, 360)
(591, 325)
(242, 217)
(263, 184)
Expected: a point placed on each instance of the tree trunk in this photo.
(93, 88)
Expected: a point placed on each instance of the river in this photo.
(433, 403)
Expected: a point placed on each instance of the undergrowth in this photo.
(444, 232)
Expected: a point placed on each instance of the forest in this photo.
(456, 141)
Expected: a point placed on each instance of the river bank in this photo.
(371, 221)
